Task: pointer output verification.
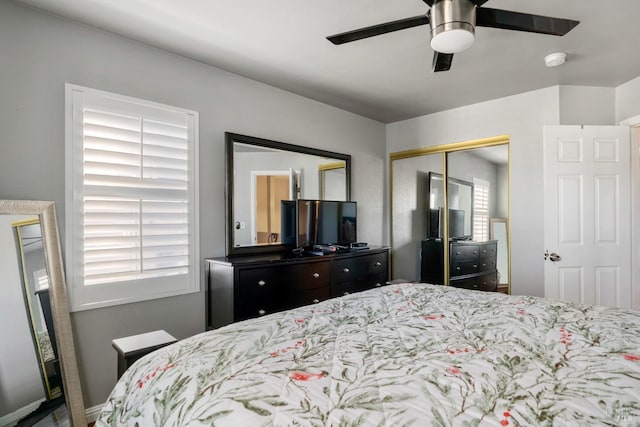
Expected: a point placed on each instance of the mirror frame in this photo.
(450, 180)
(45, 210)
(261, 142)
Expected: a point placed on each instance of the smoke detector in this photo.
(555, 59)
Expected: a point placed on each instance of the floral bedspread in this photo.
(401, 355)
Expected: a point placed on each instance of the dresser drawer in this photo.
(310, 275)
(489, 250)
(259, 281)
(485, 282)
(346, 288)
(462, 268)
(487, 265)
(309, 296)
(462, 252)
(259, 291)
(360, 268)
(488, 282)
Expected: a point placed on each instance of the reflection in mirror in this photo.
(35, 327)
(261, 173)
(500, 234)
(410, 208)
(332, 181)
(460, 206)
(477, 190)
(35, 288)
(487, 169)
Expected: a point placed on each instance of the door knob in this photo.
(553, 257)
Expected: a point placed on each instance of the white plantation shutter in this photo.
(133, 183)
(480, 210)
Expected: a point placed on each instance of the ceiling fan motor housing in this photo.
(452, 19)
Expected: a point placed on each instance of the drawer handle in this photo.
(261, 283)
(458, 268)
(378, 285)
(484, 264)
(475, 252)
(261, 312)
(346, 269)
(475, 285)
(316, 275)
(475, 265)
(378, 263)
(345, 294)
(315, 301)
(458, 253)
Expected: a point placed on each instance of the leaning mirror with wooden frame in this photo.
(38, 369)
(261, 173)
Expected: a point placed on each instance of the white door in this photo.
(587, 223)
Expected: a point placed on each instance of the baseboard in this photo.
(92, 413)
(14, 417)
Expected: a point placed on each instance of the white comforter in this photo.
(411, 354)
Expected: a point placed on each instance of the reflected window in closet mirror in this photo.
(37, 357)
(261, 173)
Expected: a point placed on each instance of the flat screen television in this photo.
(456, 224)
(325, 222)
(288, 222)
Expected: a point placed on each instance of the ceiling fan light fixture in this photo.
(452, 25)
(452, 41)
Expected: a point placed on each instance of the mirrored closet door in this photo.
(450, 214)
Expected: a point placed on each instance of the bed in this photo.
(400, 355)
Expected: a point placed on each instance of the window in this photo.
(480, 210)
(132, 225)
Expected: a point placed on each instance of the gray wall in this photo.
(584, 105)
(628, 100)
(40, 53)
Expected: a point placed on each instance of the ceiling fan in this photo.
(453, 25)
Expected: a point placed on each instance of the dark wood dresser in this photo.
(472, 265)
(242, 287)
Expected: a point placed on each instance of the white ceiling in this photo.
(387, 78)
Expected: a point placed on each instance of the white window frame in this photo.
(479, 214)
(84, 297)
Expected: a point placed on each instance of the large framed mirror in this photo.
(39, 373)
(261, 173)
(445, 196)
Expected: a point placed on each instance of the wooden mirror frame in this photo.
(59, 305)
(250, 140)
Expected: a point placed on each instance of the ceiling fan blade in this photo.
(441, 61)
(479, 2)
(429, 2)
(376, 30)
(508, 20)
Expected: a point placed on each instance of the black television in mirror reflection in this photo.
(319, 222)
(456, 224)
